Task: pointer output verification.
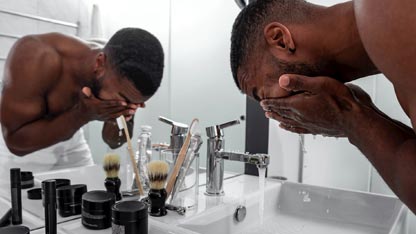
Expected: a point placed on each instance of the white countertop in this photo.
(93, 177)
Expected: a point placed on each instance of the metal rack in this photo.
(37, 18)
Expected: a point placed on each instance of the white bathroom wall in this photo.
(201, 82)
(284, 151)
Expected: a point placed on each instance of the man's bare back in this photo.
(387, 29)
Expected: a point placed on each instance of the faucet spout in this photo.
(260, 160)
(216, 156)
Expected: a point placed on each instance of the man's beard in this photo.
(301, 68)
(307, 69)
(95, 87)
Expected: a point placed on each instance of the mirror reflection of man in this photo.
(54, 84)
(283, 53)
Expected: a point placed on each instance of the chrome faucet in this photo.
(177, 136)
(216, 156)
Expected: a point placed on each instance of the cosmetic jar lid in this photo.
(15, 230)
(26, 179)
(26, 175)
(34, 194)
(71, 191)
(98, 200)
(62, 182)
(129, 211)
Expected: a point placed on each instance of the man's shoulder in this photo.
(32, 57)
(34, 49)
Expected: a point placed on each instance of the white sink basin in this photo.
(292, 208)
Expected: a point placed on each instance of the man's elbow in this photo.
(18, 152)
(16, 149)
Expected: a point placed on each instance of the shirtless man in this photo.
(54, 84)
(284, 52)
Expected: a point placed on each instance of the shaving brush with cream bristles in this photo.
(158, 174)
(111, 167)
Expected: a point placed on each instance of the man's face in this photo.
(259, 78)
(112, 86)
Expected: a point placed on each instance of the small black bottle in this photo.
(16, 195)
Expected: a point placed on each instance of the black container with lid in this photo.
(129, 217)
(62, 182)
(27, 179)
(36, 193)
(69, 199)
(96, 209)
(15, 230)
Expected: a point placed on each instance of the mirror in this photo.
(195, 36)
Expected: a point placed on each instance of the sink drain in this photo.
(240, 213)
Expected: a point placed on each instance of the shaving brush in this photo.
(158, 174)
(111, 167)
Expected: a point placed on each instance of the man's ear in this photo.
(279, 39)
(99, 66)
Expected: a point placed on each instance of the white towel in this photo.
(74, 152)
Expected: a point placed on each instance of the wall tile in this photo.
(5, 45)
(64, 10)
(16, 25)
(44, 27)
(22, 6)
(1, 71)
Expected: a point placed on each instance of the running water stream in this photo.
(262, 181)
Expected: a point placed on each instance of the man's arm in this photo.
(115, 137)
(331, 108)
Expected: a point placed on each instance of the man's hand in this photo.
(93, 108)
(321, 105)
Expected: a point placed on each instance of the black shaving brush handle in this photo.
(113, 186)
(157, 199)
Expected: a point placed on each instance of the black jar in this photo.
(129, 217)
(96, 209)
(69, 199)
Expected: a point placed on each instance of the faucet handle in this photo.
(177, 128)
(216, 131)
(229, 124)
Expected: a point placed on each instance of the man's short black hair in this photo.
(249, 25)
(138, 55)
